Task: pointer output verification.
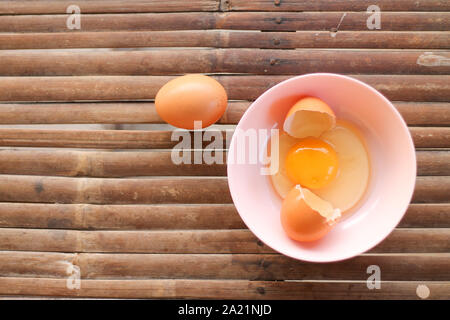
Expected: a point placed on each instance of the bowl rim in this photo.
(410, 184)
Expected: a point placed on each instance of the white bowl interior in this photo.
(393, 168)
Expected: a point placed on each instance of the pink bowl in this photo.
(392, 156)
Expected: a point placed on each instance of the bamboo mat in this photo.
(87, 186)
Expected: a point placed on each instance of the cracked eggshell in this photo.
(309, 117)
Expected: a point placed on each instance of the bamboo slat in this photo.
(438, 137)
(228, 39)
(334, 5)
(126, 164)
(261, 267)
(167, 217)
(35, 264)
(429, 88)
(331, 21)
(147, 217)
(414, 113)
(90, 6)
(427, 216)
(119, 164)
(193, 241)
(105, 139)
(219, 289)
(424, 137)
(400, 240)
(52, 113)
(240, 61)
(430, 164)
(435, 189)
(134, 164)
(40, 298)
(432, 189)
(110, 6)
(115, 191)
(406, 267)
(266, 21)
(425, 113)
(173, 241)
(86, 138)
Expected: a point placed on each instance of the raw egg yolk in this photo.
(312, 163)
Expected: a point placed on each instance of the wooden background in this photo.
(86, 181)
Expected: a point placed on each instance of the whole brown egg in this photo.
(190, 98)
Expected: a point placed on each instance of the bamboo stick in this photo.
(433, 189)
(414, 113)
(333, 5)
(438, 137)
(250, 61)
(197, 241)
(90, 6)
(227, 39)
(427, 215)
(424, 114)
(260, 267)
(104, 139)
(430, 88)
(116, 191)
(411, 237)
(36, 264)
(52, 113)
(86, 138)
(424, 137)
(218, 289)
(156, 190)
(140, 217)
(133, 164)
(267, 21)
(110, 6)
(121, 164)
(166, 217)
(405, 267)
(331, 21)
(430, 189)
(430, 164)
